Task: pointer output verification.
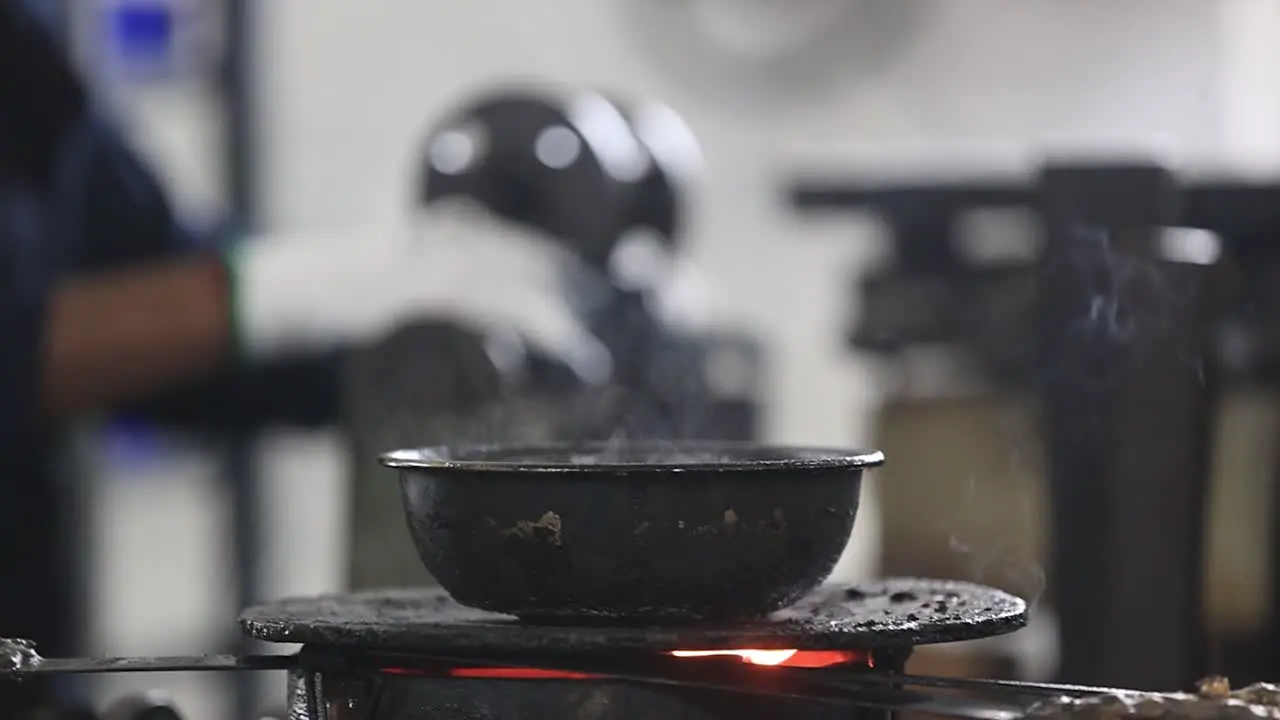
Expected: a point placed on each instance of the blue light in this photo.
(130, 441)
(141, 31)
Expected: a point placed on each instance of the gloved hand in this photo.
(302, 294)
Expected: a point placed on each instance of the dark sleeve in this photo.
(106, 205)
(21, 318)
(40, 95)
(111, 204)
(303, 392)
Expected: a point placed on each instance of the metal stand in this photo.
(1127, 409)
(1121, 367)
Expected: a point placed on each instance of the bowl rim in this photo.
(776, 457)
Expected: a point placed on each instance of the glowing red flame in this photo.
(753, 657)
(765, 658)
(496, 673)
(785, 658)
(518, 674)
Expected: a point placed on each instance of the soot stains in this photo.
(833, 617)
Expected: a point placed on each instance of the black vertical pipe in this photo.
(57, 18)
(239, 113)
(70, 467)
(1127, 392)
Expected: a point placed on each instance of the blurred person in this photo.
(106, 300)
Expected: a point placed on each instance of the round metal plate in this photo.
(893, 612)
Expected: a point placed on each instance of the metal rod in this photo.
(238, 95)
(957, 707)
(981, 685)
(203, 663)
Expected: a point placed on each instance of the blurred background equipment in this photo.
(1108, 324)
(262, 485)
(610, 187)
(566, 162)
(771, 56)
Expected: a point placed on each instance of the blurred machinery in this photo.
(609, 181)
(1094, 347)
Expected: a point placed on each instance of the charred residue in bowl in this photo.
(546, 528)
(776, 524)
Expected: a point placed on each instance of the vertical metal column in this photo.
(240, 108)
(1127, 390)
(242, 198)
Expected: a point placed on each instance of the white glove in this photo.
(302, 294)
(686, 300)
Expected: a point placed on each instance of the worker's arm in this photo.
(123, 334)
(98, 303)
(128, 333)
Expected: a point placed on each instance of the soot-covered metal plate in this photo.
(901, 611)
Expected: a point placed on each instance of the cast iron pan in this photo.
(630, 531)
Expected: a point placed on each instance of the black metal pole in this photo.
(242, 197)
(240, 110)
(1128, 395)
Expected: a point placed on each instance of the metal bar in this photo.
(1013, 687)
(960, 193)
(238, 96)
(240, 113)
(956, 707)
(920, 217)
(1269, 665)
(196, 663)
(1126, 391)
(74, 468)
(247, 522)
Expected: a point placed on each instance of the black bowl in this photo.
(630, 531)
